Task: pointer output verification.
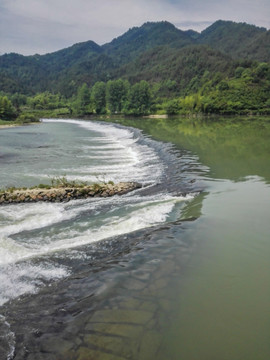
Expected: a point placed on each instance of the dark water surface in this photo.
(181, 269)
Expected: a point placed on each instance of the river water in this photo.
(176, 270)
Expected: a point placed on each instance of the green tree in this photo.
(223, 85)
(18, 100)
(140, 98)
(45, 101)
(238, 72)
(98, 97)
(192, 103)
(83, 100)
(263, 71)
(116, 95)
(7, 111)
(172, 107)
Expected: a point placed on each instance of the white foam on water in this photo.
(9, 337)
(18, 278)
(138, 213)
(29, 231)
(24, 217)
(102, 147)
(130, 217)
(110, 146)
(23, 278)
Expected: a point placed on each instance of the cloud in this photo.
(200, 13)
(31, 36)
(32, 26)
(194, 25)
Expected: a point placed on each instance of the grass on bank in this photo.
(60, 182)
(20, 120)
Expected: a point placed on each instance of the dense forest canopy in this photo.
(224, 69)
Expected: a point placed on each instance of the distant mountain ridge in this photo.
(141, 52)
(146, 37)
(235, 39)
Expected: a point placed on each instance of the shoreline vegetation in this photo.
(189, 117)
(246, 92)
(61, 190)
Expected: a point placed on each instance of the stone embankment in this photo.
(67, 193)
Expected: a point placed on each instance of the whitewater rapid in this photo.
(91, 151)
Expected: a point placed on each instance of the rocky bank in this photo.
(67, 193)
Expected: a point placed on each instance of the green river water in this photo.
(171, 277)
(223, 307)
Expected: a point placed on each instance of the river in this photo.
(176, 270)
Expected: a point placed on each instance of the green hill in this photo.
(259, 48)
(239, 40)
(62, 59)
(180, 70)
(140, 39)
(157, 52)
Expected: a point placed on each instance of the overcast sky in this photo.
(41, 26)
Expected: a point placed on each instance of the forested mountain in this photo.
(156, 52)
(62, 59)
(259, 48)
(177, 70)
(239, 40)
(20, 73)
(140, 39)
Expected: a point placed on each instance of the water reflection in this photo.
(232, 148)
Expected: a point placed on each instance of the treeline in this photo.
(26, 109)
(246, 91)
(113, 97)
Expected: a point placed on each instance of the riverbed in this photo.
(176, 270)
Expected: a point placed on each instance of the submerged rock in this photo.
(65, 194)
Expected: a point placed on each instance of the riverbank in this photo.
(65, 194)
(116, 118)
(8, 126)
(11, 124)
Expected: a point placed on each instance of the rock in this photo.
(111, 344)
(138, 317)
(134, 284)
(52, 345)
(85, 353)
(126, 330)
(66, 194)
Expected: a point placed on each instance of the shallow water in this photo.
(178, 269)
